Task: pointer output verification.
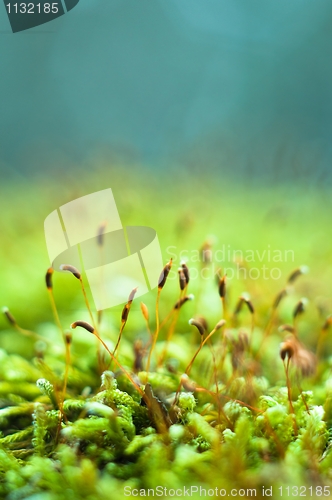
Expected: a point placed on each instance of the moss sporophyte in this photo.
(164, 403)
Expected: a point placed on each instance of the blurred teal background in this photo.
(241, 87)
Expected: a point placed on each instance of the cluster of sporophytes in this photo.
(219, 408)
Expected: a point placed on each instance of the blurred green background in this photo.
(207, 119)
(186, 211)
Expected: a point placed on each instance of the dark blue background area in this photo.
(242, 87)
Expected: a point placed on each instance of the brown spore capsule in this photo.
(279, 298)
(100, 233)
(220, 324)
(182, 279)
(249, 305)
(300, 307)
(164, 274)
(139, 353)
(48, 278)
(73, 270)
(222, 287)
(328, 323)
(238, 306)
(185, 270)
(296, 273)
(287, 328)
(125, 313)
(68, 338)
(182, 301)
(198, 325)
(83, 324)
(9, 316)
(286, 350)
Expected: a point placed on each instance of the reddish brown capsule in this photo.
(300, 307)
(73, 270)
(220, 324)
(83, 324)
(328, 323)
(286, 350)
(139, 354)
(182, 279)
(164, 274)
(203, 322)
(48, 278)
(187, 384)
(125, 312)
(287, 328)
(244, 300)
(182, 301)
(305, 361)
(218, 275)
(279, 298)
(198, 325)
(222, 287)
(126, 309)
(185, 270)
(238, 306)
(9, 316)
(100, 233)
(249, 305)
(68, 337)
(295, 274)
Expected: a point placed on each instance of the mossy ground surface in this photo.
(232, 428)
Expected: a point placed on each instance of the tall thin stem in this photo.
(93, 322)
(156, 333)
(289, 391)
(55, 312)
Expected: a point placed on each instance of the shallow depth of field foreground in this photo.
(218, 382)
